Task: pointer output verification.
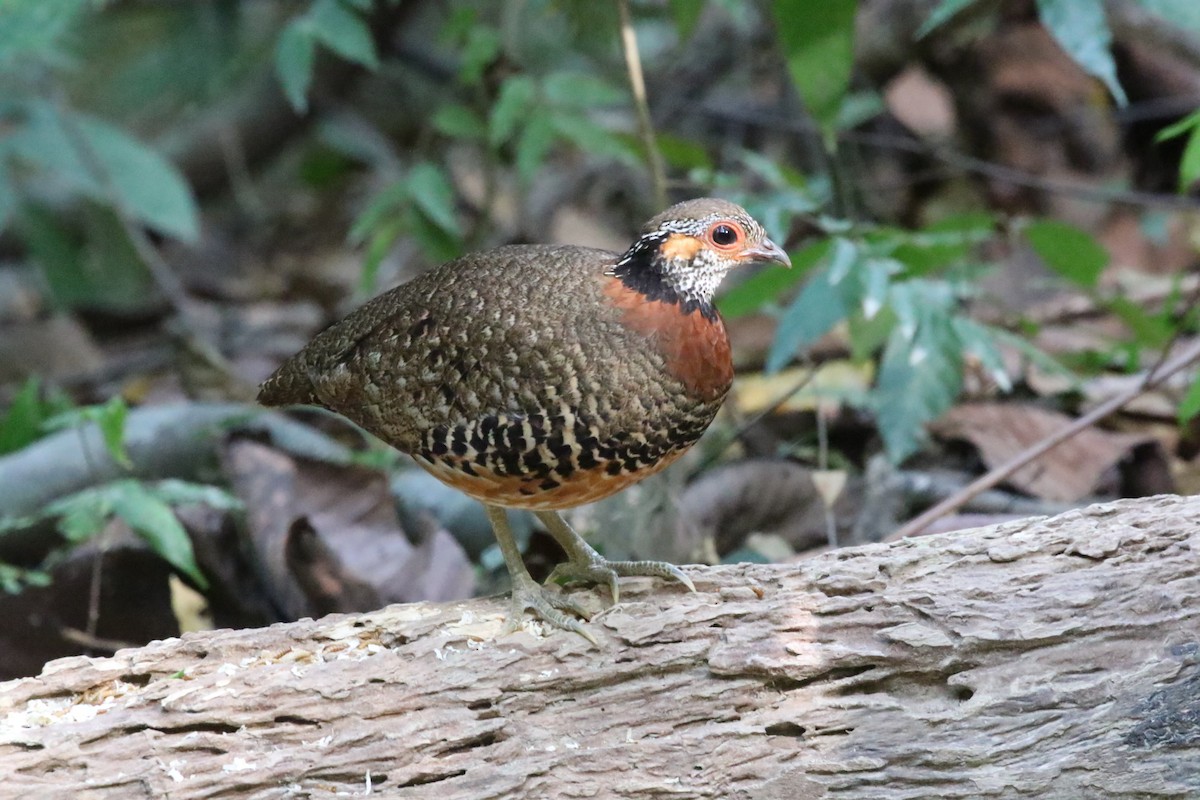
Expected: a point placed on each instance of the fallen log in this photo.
(1053, 658)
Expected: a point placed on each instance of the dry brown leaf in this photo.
(1071, 471)
(327, 536)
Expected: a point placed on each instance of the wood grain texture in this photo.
(1050, 658)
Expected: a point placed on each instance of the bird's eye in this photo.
(724, 235)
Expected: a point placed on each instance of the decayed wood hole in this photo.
(1050, 658)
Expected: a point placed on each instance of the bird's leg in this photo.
(526, 593)
(585, 564)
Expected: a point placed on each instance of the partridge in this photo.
(544, 377)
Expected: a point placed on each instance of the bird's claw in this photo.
(548, 606)
(602, 571)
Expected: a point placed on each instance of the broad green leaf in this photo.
(383, 206)
(108, 417)
(343, 32)
(943, 243)
(21, 423)
(980, 341)
(438, 244)
(537, 137)
(1189, 406)
(1149, 330)
(1067, 250)
(34, 29)
(683, 153)
(821, 304)
(459, 122)
(382, 237)
(184, 493)
(579, 90)
(431, 192)
(83, 515)
(104, 163)
(818, 42)
(294, 54)
(149, 185)
(154, 521)
(512, 106)
(876, 277)
(1081, 29)
(481, 49)
(685, 13)
(770, 283)
(919, 379)
(842, 259)
(942, 14)
(590, 137)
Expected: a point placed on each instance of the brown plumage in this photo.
(543, 377)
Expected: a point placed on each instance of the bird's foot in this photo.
(594, 568)
(553, 607)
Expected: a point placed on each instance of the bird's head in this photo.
(683, 253)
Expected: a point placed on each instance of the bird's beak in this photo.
(768, 251)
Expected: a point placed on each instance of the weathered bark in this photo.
(1050, 658)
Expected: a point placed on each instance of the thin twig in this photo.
(637, 84)
(1154, 377)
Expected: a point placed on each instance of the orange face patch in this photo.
(681, 246)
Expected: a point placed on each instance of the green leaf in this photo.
(1189, 164)
(482, 47)
(769, 284)
(685, 13)
(35, 29)
(99, 160)
(535, 142)
(382, 237)
(1067, 250)
(154, 521)
(1185, 125)
(432, 193)
(184, 493)
(21, 424)
(942, 14)
(682, 153)
(1081, 29)
(980, 341)
(919, 378)
(512, 105)
(83, 515)
(591, 138)
(579, 90)
(109, 417)
(1189, 406)
(827, 299)
(343, 32)
(437, 244)
(1149, 330)
(459, 122)
(294, 54)
(818, 42)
